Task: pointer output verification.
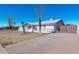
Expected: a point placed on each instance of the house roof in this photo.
(50, 21)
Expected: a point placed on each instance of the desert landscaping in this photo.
(22, 32)
(50, 43)
(19, 43)
(9, 37)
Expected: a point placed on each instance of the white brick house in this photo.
(46, 26)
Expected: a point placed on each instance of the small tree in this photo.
(39, 13)
(23, 26)
(39, 24)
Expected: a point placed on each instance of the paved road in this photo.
(50, 43)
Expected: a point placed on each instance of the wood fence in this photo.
(68, 28)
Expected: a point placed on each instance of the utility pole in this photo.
(23, 27)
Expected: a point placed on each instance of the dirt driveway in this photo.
(50, 43)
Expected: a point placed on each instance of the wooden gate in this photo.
(68, 28)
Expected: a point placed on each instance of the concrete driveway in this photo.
(49, 43)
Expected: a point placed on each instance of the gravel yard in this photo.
(10, 37)
(50, 43)
(2, 50)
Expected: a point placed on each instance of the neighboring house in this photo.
(49, 26)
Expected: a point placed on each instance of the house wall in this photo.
(77, 29)
(44, 29)
(26, 29)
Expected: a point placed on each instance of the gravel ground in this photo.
(50, 43)
(8, 37)
(2, 50)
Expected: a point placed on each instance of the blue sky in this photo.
(26, 12)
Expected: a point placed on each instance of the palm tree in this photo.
(11, 22)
